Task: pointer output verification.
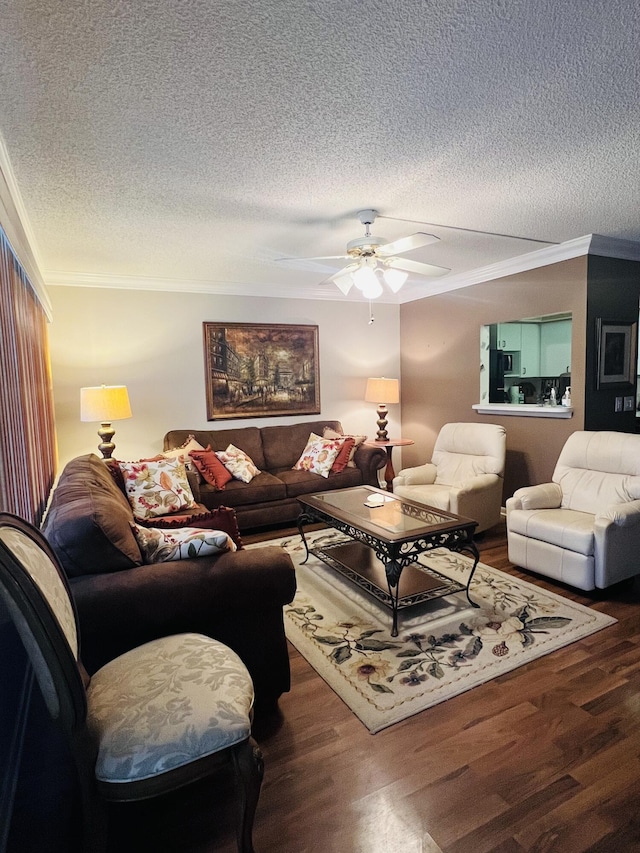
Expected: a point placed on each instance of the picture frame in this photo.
(256, 370)
(617, 352)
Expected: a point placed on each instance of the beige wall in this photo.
(152, 342)
(441, 360)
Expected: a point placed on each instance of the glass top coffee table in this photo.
(389, 533)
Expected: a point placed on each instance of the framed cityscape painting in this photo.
(257, 370)
(617, 359)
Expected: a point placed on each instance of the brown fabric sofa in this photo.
(235, 597)
(271, 497)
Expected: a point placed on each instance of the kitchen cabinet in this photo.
(509, 338)
(530, 351)
(540, 348)
(555, 348)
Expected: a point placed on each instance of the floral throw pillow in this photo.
(223, 518)
(182, 453)
(238, 463)
(157, 488)
(319, 455)
(184, 543)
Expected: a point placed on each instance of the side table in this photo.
(388, 445)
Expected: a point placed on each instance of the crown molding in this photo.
(171, 285)
(590, 244)
(15, 221)
(512, 266)
(17, 227)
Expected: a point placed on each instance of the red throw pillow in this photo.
(211, 468)
(223, 518)
(343, 455)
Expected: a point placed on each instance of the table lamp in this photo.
(384, 392)
(104, 404)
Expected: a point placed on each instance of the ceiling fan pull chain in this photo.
(371, 317)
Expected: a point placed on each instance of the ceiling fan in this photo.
(373, 258)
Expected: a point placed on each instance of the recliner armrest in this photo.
(543, 496)
(475, 484)
(622, 515)
(422, 475)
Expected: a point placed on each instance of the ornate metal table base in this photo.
(372, 563)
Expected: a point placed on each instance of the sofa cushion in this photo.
(283, 444)
(566, 528)
(265, 487)
(88, 523)
(305, 483)
(248, 439)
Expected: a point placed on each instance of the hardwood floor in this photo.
(544, 759)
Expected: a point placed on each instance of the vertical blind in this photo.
(27, 423)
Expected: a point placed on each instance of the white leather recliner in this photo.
(465, 475)
(583, 528)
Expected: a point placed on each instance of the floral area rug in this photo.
(444, 646)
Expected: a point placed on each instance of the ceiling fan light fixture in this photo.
(365, 277)
(394, 279)
(372, 287)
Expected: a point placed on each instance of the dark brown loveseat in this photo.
(271, 497)
(235, 597)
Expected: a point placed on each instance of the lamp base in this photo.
(106, 446)
(383, 411)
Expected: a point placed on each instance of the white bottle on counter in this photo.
(554, 400)
(566, 397)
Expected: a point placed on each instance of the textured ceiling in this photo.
(198, 141)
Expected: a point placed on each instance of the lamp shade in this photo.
(395, 278)
(104, 403)
(381, 390)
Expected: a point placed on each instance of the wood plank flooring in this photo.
(543, 759)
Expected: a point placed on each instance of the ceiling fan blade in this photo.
(345, 271)
(406, 244)
(417, 267)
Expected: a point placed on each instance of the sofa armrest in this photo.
(421, 475)
(543, 496)
(370, 460)
(118, 611)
